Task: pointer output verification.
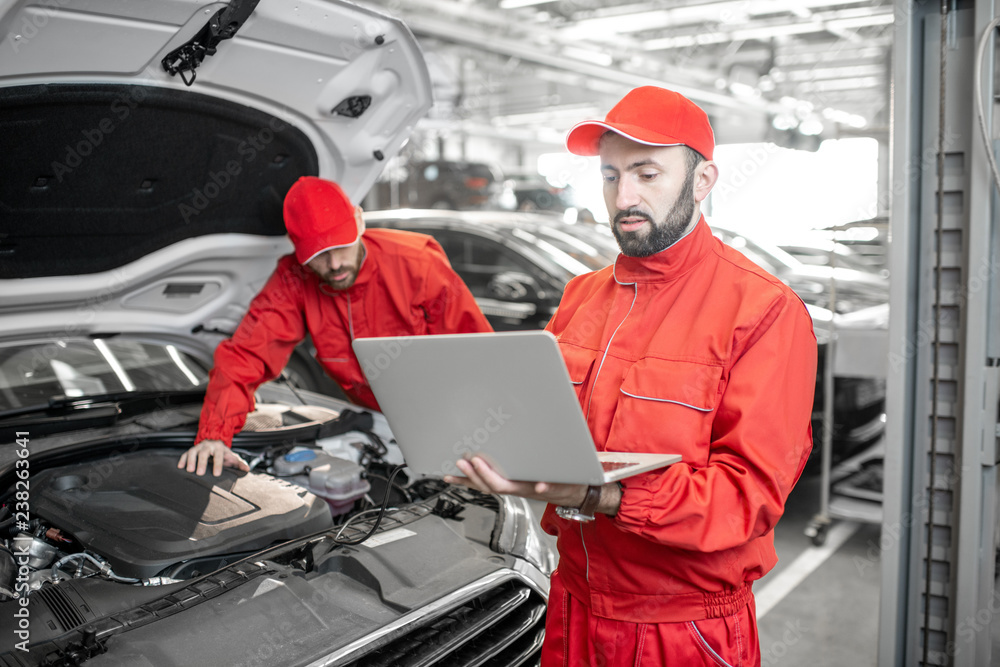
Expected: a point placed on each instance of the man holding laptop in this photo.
(685, 347)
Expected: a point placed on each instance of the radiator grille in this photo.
(500, 627)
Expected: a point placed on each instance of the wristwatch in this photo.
(585, 512)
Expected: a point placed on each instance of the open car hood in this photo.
(132, 201)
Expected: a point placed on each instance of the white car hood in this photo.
(296, 59)
(190, 260)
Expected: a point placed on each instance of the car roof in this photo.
(497, 222)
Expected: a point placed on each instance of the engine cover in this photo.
(143, 514)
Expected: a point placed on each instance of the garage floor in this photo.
(828, 617)
(820, 605)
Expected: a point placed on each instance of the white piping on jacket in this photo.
(665, 400)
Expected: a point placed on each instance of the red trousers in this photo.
(575, 638)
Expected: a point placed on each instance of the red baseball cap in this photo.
(318, 217)
(648, 115)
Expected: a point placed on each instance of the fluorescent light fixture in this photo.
(784, 121)
(811, 127)
(517, 4)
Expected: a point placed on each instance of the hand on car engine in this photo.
(196, 458)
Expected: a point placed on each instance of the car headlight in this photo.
(519, 534)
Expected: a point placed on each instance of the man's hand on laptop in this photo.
(480, 476)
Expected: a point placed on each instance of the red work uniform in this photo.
(699, 352)
(405, 286)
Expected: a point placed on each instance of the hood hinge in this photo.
(223, 25)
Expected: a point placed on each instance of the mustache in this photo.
(632, 213)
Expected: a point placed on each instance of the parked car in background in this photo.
(869, 238)
(142, 212)
(442, 184)
(858, 321)
(855, 289)
(516, 264)
(818, 251)
(533, 192)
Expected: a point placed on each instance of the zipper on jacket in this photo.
(350, 318)
(635, 294)
(593, 384)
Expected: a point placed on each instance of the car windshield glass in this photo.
(820, 256)
(573, 253)
(35, 373)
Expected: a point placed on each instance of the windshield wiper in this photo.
(62, 405)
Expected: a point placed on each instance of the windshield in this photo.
(32, 374)
(845, 257)
(573, 250)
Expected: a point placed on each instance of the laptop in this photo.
(505, 396)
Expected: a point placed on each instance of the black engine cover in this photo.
(143, 514)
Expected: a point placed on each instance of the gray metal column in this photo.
(940, 488)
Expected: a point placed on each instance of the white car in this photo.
(858, 321)
(147, 150)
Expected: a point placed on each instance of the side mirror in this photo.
(513, 286)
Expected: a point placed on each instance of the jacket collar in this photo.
(669, 263)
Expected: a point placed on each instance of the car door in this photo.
(512, 291)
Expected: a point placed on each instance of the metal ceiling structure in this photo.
(790, 71)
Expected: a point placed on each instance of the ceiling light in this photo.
(845, 118)
(784, 121)
(743, 90)
(517, 4)
(811, 127)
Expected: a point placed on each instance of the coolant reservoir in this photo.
(337, 481)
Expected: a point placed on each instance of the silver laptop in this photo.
(504, 396)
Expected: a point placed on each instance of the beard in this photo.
(343, 283)
(661, 235)
(352, 271)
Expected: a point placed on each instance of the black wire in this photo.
(381, 513)
(399, 487)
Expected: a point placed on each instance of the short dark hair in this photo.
(694, 158)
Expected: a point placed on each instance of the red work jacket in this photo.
(699, 352)
(405, 286)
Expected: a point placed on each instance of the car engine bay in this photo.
(121, 537)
